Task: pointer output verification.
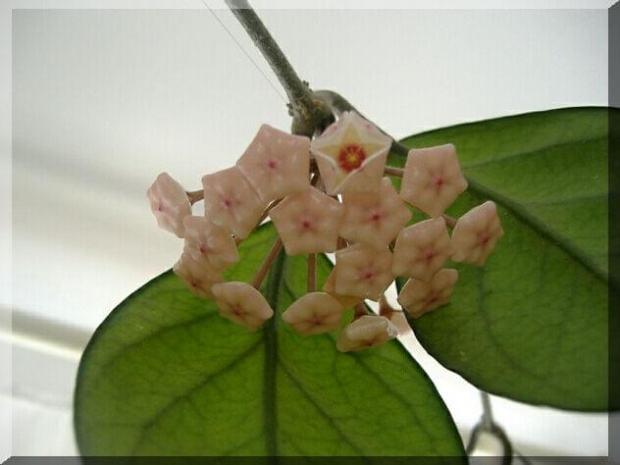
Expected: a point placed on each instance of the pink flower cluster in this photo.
(330, 195)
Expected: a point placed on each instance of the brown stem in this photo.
(195, 196)
(311, 272)
(390, 170)
(267, 262)
(360, 311)
(450, 222)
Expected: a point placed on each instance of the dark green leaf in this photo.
(532, 324)
(164, 374)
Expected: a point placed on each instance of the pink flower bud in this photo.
(169, 204)
(422, 249)
(367, 331)
(314, 313)
(243, 304)
(419, 297)
(231, 202)
(363, 271)
(276, 163)
(208, 243)
(374, 218)
(476, 234)
(198, 277)
(432, 179)
(308, 222)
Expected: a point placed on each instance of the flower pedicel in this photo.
(330, 195)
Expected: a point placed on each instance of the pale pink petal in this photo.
(243, 304)
(476, 234)
(198, 277)
(308, 222)
(374, 219)
(367, 331)
(432, 179)
(363, 271)
(169, 204)
(351, 155)
(314, 313)
(346, 301)
(232, 202)
(419, 297)
(209, 243)
(276, 163)
(422, 249)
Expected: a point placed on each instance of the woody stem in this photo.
(267, 262)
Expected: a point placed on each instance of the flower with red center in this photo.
(314, 313)
(374, 218)
(209, 243)
(419, 297)
(367, 331)
(308, 222)
(422, 249)
(351, 155)
(276, 163)
(476, 234)
(198, 277)
(363, 271)
(231, 201)
(241, 303)
(432, 179)
(169, 204)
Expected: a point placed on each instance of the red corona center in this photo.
(351, 157)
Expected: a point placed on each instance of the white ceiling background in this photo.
(103, 100)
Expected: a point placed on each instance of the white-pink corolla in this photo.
(351, 155)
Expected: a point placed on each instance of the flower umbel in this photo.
(297, 183)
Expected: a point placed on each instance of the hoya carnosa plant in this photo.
(330, 194)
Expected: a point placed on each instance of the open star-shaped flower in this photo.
(419, 297)
(276, 163)
(308, 222)
(432, 179)
(366, 331)
(209, 243)
(169, 204)
(241, 303)
(422, 249)
(351, 148)
(198, 277)
(231, 201)
(476, 234)
(363, 271)
(314, 313)
(374, 218)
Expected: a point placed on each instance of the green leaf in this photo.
(532, 323)
(166, 375)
